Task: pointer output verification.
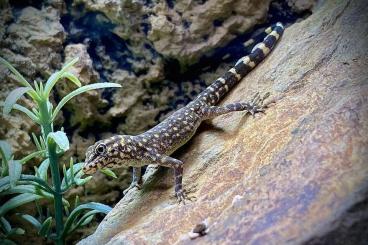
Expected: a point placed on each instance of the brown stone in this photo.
(283, 177)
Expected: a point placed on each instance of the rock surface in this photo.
(288, 176)
(32, 43)
(184, 29)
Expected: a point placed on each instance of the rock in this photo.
(301, 5)
(89, 102)
(32, 42)
(288, 176)
(183, 30)
(38, 36)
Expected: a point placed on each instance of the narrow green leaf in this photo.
(76, 168)
(71, 167)
(42, 141)
(27, 112)
(31, 156)
(15, 170)
(41, 87)
(5, 150)
(44, 166)
(5, 224)
(13, 97)
(17, 75)
(31, 220)
(5, 154)
(54, 78)
(45, 227)
(35, 84)
(102, 208)
(76, 201)
(20, 189)
(18, 201)
(108, 172)
(60, 139)
(37, 143)
(87, 220)
(4, 183)
(39, 181)
(16, 231)
(79, 91)
(65, 176)
(72, 78)
(81, 182)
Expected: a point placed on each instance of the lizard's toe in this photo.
(132, 186)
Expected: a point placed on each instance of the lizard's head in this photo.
(111, 153)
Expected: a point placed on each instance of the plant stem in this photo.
(58, 204)
(45, 117)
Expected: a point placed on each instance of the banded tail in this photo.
(213, 93)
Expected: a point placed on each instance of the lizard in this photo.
(157, 144)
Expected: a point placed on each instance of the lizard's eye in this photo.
(101, 149)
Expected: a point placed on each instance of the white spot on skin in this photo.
(140, 144)
(175, 128)
(144, 140)
(211, 88)
(218, 95)
(252, 64)
(226, 88)
(156, 136)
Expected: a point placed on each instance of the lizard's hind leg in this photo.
(253, 106)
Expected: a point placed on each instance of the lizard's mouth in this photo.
(90, 167)
(89, 170)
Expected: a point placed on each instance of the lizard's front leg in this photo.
(137, 177)
(177, 165)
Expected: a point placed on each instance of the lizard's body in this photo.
(155, 145)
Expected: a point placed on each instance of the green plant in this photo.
(51, 144)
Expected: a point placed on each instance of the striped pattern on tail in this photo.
(213, 93)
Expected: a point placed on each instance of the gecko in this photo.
(157, 144)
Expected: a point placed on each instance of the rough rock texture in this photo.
(288, 176)
(301, 5)
(185, 29)
(32, 43)
(89, 102)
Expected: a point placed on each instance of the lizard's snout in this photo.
(88, 170)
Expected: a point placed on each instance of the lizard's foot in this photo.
(256, 104)
(132, 186)
(182, 196)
